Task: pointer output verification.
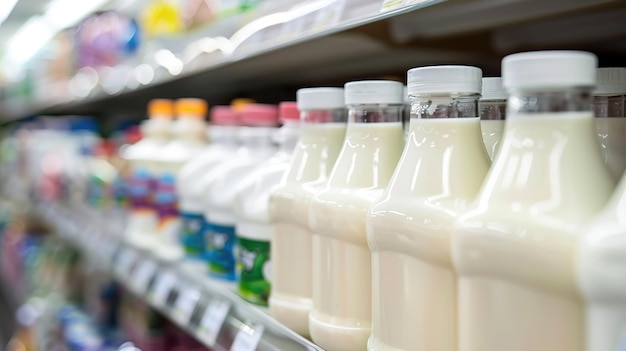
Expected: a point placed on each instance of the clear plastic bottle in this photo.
(609, 102)
(143, 158)
(492, 114)
(409, 228)
(189, 131)
(323, 118)
(514, 251)
(223, 136)
(342, 278)
(254, 228)
(221, 187)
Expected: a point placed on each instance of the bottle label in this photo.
(253, 268)
(192, 234)
(98, 192)
(221, 242)
(165, 200)
(139, 189)
(119, 192)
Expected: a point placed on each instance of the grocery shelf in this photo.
(207, 309)
(326, 42)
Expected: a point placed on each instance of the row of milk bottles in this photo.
(426, 244)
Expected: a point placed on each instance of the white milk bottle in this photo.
(143, 158)
(602, 258)
(223, 136)
(492, 114)
(221, 186)
(189, 140)
(323, 117)
(409, 228)
(342, 278)
(608, 102)
(254, 228)
(514, 250)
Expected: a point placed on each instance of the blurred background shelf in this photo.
(268, 55)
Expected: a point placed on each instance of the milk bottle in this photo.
(323, 117)
(341, 315)
(514, 250)
(492, 113)
(221, 186)
(602, 259)
(189, 140)
(223, 146)
(410, 226)
(143, 158)
(254, 229)
(609, 106)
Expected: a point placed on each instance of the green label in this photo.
(253, 268)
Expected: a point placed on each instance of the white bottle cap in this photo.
(374, 92)
(320, 98)
(611, 81)
(444, 79)
(549, 69)
(493, 89)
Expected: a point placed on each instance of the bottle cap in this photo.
(288, 110)
(320, 98)
(224, 115)
(493, 89)
(239, 103)
(549, 70)
(161, 108)
(611, 81)
(259, 115)
(444, 79)
(191, 108)
(374, 92)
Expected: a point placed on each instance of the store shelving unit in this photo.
(329, 42)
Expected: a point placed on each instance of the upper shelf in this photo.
(326, 42)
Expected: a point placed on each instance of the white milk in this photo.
(514, 251)
(601, 276)
(224, 145)
(221, 187)
(189, 141)
(492, 113)
(314, 157)
(409, 228)
(342, 284)
(143, 158)
(609, 106)
(518, 244)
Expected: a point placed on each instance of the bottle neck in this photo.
(609, 106)
(224, 135)
(375, 113)
(541, 102)
(492, 110)
(287, 136)
(444, 106)
(308, 117)
(255, 138)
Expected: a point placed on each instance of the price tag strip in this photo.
(143, 274)
(213, 320)
(247, 338)
(125, 260)
(185, 304)
(162, 288)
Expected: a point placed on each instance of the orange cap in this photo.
(240, 103)
(160, 107)
(191, 107)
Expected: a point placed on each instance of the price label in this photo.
(164, 284)
(247, 338)
(213, 320)
(329, 16)
(144, 272)
(125, 260)
(186, 304)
